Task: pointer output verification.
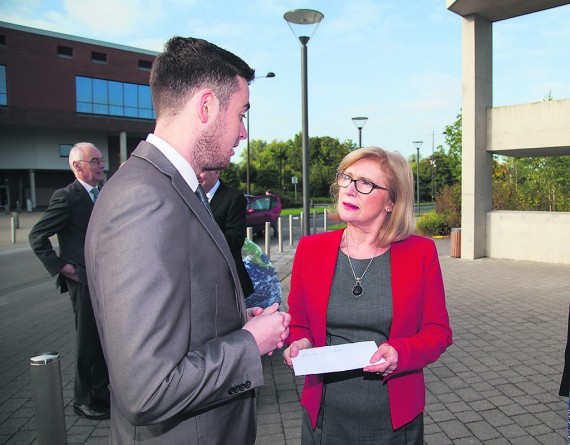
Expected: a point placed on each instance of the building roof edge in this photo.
(59, 35)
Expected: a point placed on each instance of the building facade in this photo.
(57, 90)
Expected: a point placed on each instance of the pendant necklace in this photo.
(357, 288)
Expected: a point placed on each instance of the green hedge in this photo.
(433, 224)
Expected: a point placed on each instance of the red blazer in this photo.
(420, 325)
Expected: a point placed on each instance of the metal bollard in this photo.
(268, 239)
(13, 229)
(17, 218)
(290, 230)
(280, 241)
(314, 221)
(325, 220)
(48, 399)
(249, 233)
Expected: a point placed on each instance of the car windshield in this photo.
(261, 204)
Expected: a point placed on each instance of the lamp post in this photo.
(304, 20)
(268, 75)
(360, 122)
(433, 167)
(418, 144)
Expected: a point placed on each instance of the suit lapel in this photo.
(153, 155)
(218, 197)
(83, 195)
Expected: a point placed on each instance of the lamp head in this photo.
(360, 122)
(303, 23)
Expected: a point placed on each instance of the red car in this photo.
(262, 209)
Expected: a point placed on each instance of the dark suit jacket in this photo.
(169, 309)
(229, 206)
(67, 216)
(420, 329)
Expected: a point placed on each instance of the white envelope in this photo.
(335, 358)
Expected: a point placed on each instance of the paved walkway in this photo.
(497, 384)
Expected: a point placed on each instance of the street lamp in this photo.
(360, 122)
(306, 22)
(433, 167)
(269, 74)
(418, 144)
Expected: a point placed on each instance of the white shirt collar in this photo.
(86, 186)
(212, 191)
(176, 159)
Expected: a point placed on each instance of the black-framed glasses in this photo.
(362, 185)
(94, 162)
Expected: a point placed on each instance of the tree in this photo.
(453, 139)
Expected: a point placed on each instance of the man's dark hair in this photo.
(188, 65)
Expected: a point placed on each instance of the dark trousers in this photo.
(91, 375)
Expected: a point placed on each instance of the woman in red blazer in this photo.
(372, 281)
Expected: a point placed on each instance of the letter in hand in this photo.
(270, 328)
(385, 368)
(293, 350)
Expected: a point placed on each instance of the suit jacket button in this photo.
(248, 384)
(242, 387)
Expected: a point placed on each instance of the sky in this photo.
(396, 62)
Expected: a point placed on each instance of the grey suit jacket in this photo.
(169, 310)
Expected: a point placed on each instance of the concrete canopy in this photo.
(496, 10)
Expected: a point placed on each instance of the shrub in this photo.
(448, 205)
(433, 224)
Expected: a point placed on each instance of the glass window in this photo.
(98, 57)
(64, 51)
(83, 89)
(64, 150)
(130, 95)
(115, 93)
(98, 96)
(3, 89)
(145, 65)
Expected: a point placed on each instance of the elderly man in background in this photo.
(67, 217)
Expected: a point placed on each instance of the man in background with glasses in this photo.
(67, 217)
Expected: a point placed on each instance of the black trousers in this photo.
(91, 374)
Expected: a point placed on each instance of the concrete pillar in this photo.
(477, 169)
(122, 147)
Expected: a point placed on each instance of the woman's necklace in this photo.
(357, 288)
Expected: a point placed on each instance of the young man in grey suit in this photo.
(67, 216)
(184, 355)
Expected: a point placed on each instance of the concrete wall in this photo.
(38, 149)
(535, 129)
(530, 236)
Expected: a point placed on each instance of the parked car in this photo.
(262, 209)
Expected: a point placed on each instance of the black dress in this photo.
(355, 407)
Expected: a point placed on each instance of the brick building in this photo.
(56, 90)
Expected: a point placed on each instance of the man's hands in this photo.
(269, 327)
(69, 271)
(293, 350)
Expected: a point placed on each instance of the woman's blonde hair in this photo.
(400, 223)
